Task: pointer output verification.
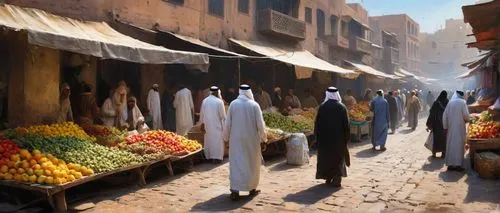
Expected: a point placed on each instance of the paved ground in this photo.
(402, 179)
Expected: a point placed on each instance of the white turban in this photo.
(246, 91)
(332, 93)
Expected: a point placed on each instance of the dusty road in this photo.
(402, 179)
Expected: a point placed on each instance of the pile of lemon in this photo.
(66, 129)
(41, 168)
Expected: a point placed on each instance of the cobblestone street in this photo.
(402, 179)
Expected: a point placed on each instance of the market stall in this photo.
(360, 120)
(53, 158)
(484, 136)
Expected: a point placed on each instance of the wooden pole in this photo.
(239, 72)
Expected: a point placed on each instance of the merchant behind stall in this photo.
(245, 130)
(333, 133)
(263, 99)
(114, 108)
(154, 106)
(184, 109)
(212, 115)
(87, 109)
(309, 101)
(135, 120)
(65, 113)
(292, 101)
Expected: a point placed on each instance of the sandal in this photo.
(234, 196)
(254, 192)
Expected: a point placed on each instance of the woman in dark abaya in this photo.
(435, 124)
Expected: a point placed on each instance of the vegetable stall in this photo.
(483, 140)
(360, 119)
(53, 158)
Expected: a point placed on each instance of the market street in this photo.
(399, 180)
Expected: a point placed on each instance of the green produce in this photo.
(79, 151)
(278, 121)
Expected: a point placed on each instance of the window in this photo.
(320, 22)
(288, 7)
(334, 25)
(181, 2)
(243, 6)
(344, 28)
(216, 7)
(308, 15)
(408, 27)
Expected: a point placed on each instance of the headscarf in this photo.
(215, 91)
(332, 93)
(443, 96)
(458, 95)
(245, 91)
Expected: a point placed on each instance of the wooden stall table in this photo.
(360, 129)
(56, 194)
(273, 146)
(476, 145)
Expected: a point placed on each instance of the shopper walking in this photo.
(380, 123)
(435, 124)
(455, 116)
(212, 117)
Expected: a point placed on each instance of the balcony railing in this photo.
(278, 24)
(335, 40)
(358, 44)
(377, 52)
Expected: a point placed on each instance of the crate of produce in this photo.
(196, 134)
(487, 165)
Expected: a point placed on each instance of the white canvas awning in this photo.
(203, 44)
(90, 38)
(370, 70)
(297, 57)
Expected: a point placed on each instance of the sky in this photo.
(430, 14)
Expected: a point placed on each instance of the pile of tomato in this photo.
(7, 148)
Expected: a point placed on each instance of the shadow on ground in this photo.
(312, 195)
(433, 164)
(221, 203)
(406, 131)
(368, 153)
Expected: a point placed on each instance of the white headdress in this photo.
(333, 94)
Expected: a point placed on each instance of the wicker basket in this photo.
(486, 168)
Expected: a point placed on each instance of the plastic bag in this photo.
(429, 142)
(297, 150)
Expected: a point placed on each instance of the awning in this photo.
(294, 56)
(90, 38)
(421, 79)
(370, 70)
(471, 72)
(203, 44)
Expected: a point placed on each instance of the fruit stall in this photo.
(53, 158)
(280, 127)
(360, 120)
(483, 139)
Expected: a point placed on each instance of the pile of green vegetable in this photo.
(74, 150)
(278, 121)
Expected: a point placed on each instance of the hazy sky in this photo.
(430, 14)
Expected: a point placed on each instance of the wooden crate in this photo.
(487, 168)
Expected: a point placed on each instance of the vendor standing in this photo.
(291, 100)
(309, 101)
(154, 106)
(348, 99)
(114, 108)
(184, 108)
(263, 98)
(65, 113)
(87, 109)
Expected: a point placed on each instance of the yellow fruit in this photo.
(38, 172)
(32, 179)
(15, 157)
(21, 171)
(57, 181)
(8, 176)
(12, 171)
(78, 175)
(49, 180)
(36, 151)
(33, 162)
(29, 171)
(25, 177)
(71, 178)
(42, 160)
(17, 177)
(25, 165)
(47, 172)
(11, 164)
(54, 161)
(41, 179)
(4, 169)
(37, 157)
(36, 167)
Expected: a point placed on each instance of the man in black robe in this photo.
(332, 135)
(393, 111)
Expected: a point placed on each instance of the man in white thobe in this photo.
(245, 130)
(212, 115)
(184, 107)
(455, 116)
(114, 108)
(154, 107)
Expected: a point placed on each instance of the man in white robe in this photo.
(455, 116)
(154, 107)
(184, 108)
(212, 117)
(245, 130)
